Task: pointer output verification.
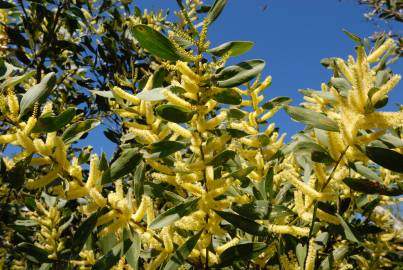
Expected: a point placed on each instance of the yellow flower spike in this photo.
(44, 180)
(94, 172)
(25, 142)
(382, 120)
(266, 83)
(106, 217)
(176, 100)
(195, 189)
(214, 122)
(365, 139)
(190, 85)
(285, 229)
(96, 196)
(30, 125)
(345, 70)
(159, 167)
(384, 89)
(167, 239)
(150, 211)
(12, 102)
(60, 153)
(180, 130)
(141, 211)
(375, 55)
(157, 261)
(144, 136)
(149, 113)
(126, 96)
(222, 248)
(8, 138)
(185, 70)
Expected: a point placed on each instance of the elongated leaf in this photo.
(156, 43)
(243, 223)
(238, 74)
(33, 253)
(51, 123)
(241, 252)
(6, 5)
(365, 171)
(180, 255)
(174, 214)
(126, 163)
(156, 94)
(133, 253)
(138, 181)
(174, 113)
(347, 230)
(78, 129)
(336, 256)
(276, 102)
(82, 234)
(13, 81)
(37, 92)
(353, 37)
(311, 118)
(113, 256)
(105, 94)
(341, 84)
(166, 148)
(234, 48)
(236, 114)
(259, 209)
(388, 159)
(372, 187)
(222, 158)
(228, 96)
(215, 10)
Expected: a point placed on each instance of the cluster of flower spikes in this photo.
(354, 111)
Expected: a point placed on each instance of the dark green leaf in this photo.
(82, 234)
(166, 148)
(353, 37)
(215, 10)
(236, 114)
(311, 118)
(113, 256)
(347, 230)
(6, 5)
(16, 37)
(16, 175)
(228, 96)
(133, 253)
(78, 129)
(156, 43)
(51, 123)
(138, 181)
(174, 214)
(37, 92)
(372, 187)
(33, 253)
(222, 158)
(276, 102)
(238, 74)
(243, 223)
(241, 252)
(259, 209)
(174, 113)
(336, 256)
(126, 163)
(388, 159)
(234, 48)
(181, 254)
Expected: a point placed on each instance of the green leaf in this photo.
(166, 148)
(50, 123)
(276, 102)
(321, 157)
(133, 253)
(243, 223)
(105, 94)
(228, 96)
(174, 214)
(181, 254)
(234, 48)
(241, 252)
(347, 230)
(215, 10)
(13, 81)
(258, 209)
(311, 118)
(82, 234)
(33, 253)
(16, 175)
(126, 163)
(174, 113)
(113, 256)
(156, 43)
(238, 74)
(365, 171)
(372, 187)
(241, 174)
(138, 181)
(78, 129)
(336, 256)
(388, 159)
(37, 92)
(6, 5)
(353, 37)
(236, 114)
(156, 94)
(341, 84)
(222, 158)
(279, 211)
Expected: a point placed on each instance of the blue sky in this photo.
(292, 36)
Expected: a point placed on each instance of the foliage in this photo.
(200, 178)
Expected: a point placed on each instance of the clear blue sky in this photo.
(292, 36)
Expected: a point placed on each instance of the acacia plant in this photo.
(201, 177)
